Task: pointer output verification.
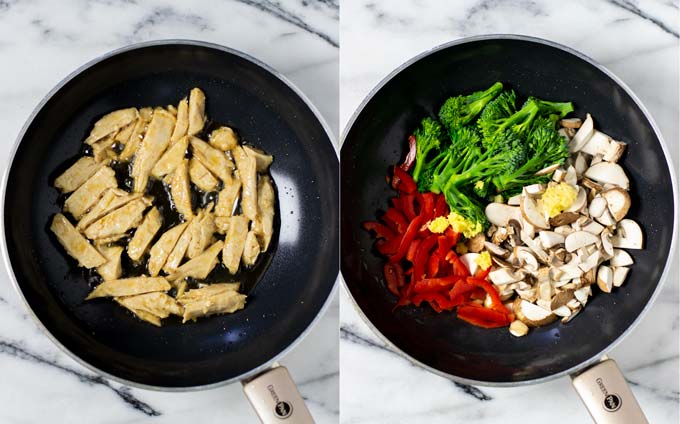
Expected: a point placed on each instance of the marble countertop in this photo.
(637, 40)
(43, 41)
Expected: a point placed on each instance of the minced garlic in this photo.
(557, 198)
(483, 260)
(438, 225)
(463, 226)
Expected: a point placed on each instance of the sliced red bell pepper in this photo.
(432, 265)
(381, 230)
(422, 254)
(388, 247)
(441, 208)
(461, 290)
(490, 290)
(395, 220)
(438, 301)
(412, 249)
(459, 267)
(402, 181)
(410, 158)
(394, 276)
(407, 206)
(482, 317)
(406, 240)
(435, 284)
(426, 202)
(454, 236)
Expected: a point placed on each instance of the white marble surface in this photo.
(637, 40)
(42, 41)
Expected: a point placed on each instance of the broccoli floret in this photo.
(495, 113)
(428, 138)
(459, 111)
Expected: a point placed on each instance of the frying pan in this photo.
(375, 139)
(287, 292)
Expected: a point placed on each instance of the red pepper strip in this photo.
(381, 230)
(438, 301)
(433, 265)
(395, 220)
(406, 240)
(388, 247)
(394, 276)
(435, 284)
(454, 236)
(412, 249)
(410, 158)
(481, 273)
(407, 206)
(459, 267)
(461, 290)
(496, 302)
(426, 201)
(402, 181)
(481, 316)
(478, 293)
(441, 208)
(422, 254)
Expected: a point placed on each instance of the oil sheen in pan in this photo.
(247, 276)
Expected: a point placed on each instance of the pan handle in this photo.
(276, 399)
(606, 394)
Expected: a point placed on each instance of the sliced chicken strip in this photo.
(124, 134)
(215, 160)
(201, 176)
(129, 287)
(234, 242)
(111, 239)
(196, 111)
(112, 199)
(208, 291)
(222, 224)
(75, 244)
(182, 124)
(251, 249)
(247, 172)
(262, 160)
(137, 135)
(102, 150)
(153, 145)
(156, 303)
(112, 269)
(203, 304)
(119, 221)
(223, 138)
(227, 198)
(201, 234)
(87, 194)
(179, 251)
(171, 158)
(160, 251)
(264, 225)
(144, 234)
(111, 123)
(200, 266)
(76, 174)
(144, 316)
(180, 189)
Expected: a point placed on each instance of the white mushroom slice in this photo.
(579, 239)
(468, 260)
(526, 228)
(499, 214)
(111, 123)
(608, 173)
(171, 159)
(251, 250)
(234, 243)
(112, 199)
(227, 198)
(196, 111)
(532, 315)
(580, 202)
(153, 145)
(112, 269)
(144, 234)
(597, 144)
(582, 135)
(228, 301)
(621, 258)
(582, 294)
(606, 219)
(87, 194)
(223, 138)
(570, 317)
(596, 159)
(119, 221)
(570, 177)
(526, 258)
(590, 261)
(592, 227)
(200, 266)
(215, 160)
(548, 169)
(535, 247)
(201, 176)
(620, 274)
(614, 151)
(201, 234)
(607, 245)
(550, 239)
(605, 278)
(534, 190)
(531, 213)
(597, 207)
(76, 174)
(248, 173)
(505, 276)
(182, 123)
(543, 303)
(160, 251)
(129, 287)
(518, 328)
(262, 160)
(529, 295)
(180, 191)
(580, 164)
(558, 175)
(567, 272)
(495, 249)
(562, 311)
(545, 291)
(75, 244)
(514, 200)
(571, 122)
(564, 230)
(618, 202)
(628, 235)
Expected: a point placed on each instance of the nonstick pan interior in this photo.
(291, 291)
(376, 140)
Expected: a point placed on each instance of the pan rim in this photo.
(3, 187)
(664, 275)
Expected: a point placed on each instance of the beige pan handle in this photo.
(607, 396)
(276, 399)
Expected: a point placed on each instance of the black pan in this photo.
(375, 139)
(287, 291)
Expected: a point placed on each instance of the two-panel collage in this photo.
(339, 211)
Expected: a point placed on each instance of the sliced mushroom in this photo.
(500, 235)
(495, 249)
(571, 122)
(526, 258)
(620, 274)
(562, 311)
(607, 245)
(550, 238)
(614, 151)
(468, 260)
(570, 177)
(580, 202)
(582, 135)
(589, 277)
(534, 190)
(514, 200)
(621, 258)
(582, 294)
(606, 219)
(618, 202)
(570, 317)
(564, 218)
(592, 227)
(548, 169)
(628, 235)
(558, 175)
(579, 239)
(566, 272)
(598, 144)
(505, 276)
(596, 159)
(545, 291)
(532, 214)
(590, 261)
(605, 278)
(532, 315)
(580, 164)
(608, 173)
(499, 213)
(476, 243)
(564, 230)
(597, 207)
(518, 328)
